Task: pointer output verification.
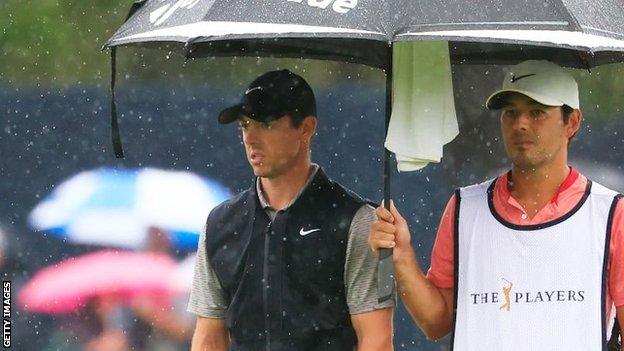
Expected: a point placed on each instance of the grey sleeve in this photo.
(361, 266)
(207, 297)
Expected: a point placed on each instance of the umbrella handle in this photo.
(385, 269)
(385, 276)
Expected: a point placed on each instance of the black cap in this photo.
(271, 96)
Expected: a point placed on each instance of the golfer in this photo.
(285, 265)
(531, 260)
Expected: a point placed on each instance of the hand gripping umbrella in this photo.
(574, 33)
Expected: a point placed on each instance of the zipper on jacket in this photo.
(265, 290)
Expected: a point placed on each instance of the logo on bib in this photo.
(506, 292)
(506, 297)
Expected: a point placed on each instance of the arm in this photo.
(374, 330)
(208, 302)
(371, 320)
(431, 307)
(210, 335)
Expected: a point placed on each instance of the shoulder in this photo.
(618, 206)
(222, 216)
(601, 190)
(346, 194)
(233, 204)
(610, 200)
(361, 223)
(475, 189)
(228, 217)
(364, 215)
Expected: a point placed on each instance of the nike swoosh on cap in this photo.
(306, 232)
(252, 89)
(515, 79)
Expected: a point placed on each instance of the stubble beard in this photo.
(532, 160)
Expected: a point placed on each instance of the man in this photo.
(285, 265)
(531, 260)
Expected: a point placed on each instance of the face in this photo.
(273, 148)
(534, 134)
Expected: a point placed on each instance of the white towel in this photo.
(423, 110)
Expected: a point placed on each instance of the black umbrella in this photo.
(571, 32)
(359, 31)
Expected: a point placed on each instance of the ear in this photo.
(574, 123)
(308, 127)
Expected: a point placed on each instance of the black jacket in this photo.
(284, 280)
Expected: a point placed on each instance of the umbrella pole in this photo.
(385, 270)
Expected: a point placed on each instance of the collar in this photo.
(265, 204)
(567, 183)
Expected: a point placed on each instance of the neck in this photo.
(281, 191)
(535, 188)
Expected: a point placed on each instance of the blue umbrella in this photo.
(111, 207)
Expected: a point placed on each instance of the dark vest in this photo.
(284, 281)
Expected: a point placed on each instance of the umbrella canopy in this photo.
(117, 207)
(358, 31)
(68, 285)
(594, 29)
(195, 22)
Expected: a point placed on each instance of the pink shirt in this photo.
(441, 273)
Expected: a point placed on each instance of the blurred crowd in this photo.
(108, 322)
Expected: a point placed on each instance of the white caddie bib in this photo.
(539, 287)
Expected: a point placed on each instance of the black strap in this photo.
(614, 341)
(114, 123)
